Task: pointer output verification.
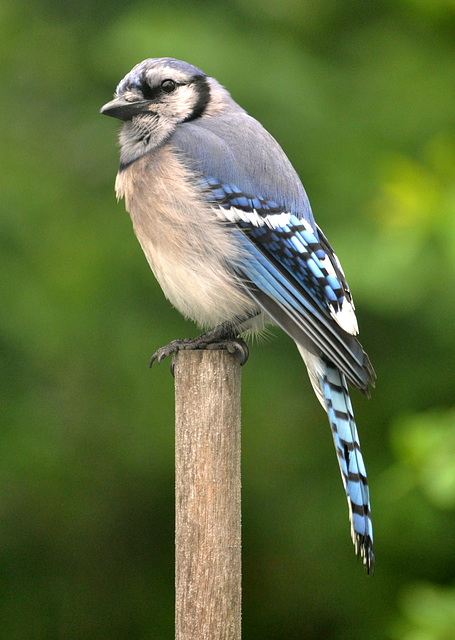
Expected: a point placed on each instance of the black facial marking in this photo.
(147, 91)
(203, 92)
(152, 93)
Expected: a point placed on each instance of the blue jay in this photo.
(228, 231)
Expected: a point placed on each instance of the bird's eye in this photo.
(168, 86)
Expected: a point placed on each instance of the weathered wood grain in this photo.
(207, 485)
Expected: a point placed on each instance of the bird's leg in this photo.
(223, 336)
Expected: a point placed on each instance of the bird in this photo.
(228, 231)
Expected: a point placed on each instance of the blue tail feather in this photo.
(344, 430)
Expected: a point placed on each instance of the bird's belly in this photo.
(203, 290)
(192, 253)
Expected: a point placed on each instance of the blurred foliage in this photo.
(424, 446)
(360, 95)
(428, 613)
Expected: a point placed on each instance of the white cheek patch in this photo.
(178, 105)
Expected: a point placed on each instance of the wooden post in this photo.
(207, 492)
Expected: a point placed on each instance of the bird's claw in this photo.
(235, 345)
(232, 346)
(170, 349)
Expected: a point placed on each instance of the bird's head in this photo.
(162, 87)
(154, 98)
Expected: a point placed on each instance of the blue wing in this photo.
(289, 269)
(285, 266)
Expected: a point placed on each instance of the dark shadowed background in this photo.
(360, 94)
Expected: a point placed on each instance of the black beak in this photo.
(124, 110)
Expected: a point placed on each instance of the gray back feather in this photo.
(234, 148)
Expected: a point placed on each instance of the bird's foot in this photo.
(203, 341)
(234, 345)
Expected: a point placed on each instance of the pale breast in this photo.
(189, 249)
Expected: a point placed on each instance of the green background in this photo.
(361, 96)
